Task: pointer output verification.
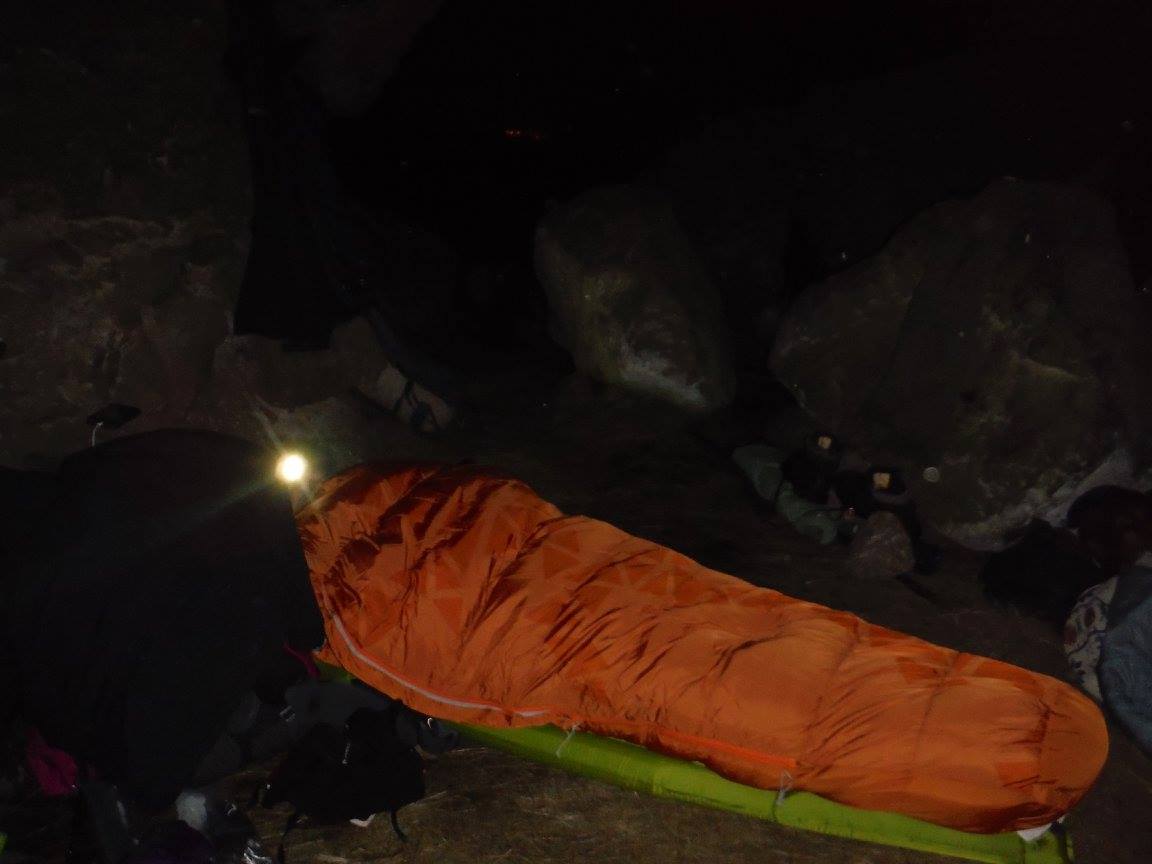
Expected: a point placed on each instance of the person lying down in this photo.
(461, 592)
(168, 575)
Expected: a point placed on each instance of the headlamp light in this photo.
(291, 468)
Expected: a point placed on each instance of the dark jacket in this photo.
(157, 588)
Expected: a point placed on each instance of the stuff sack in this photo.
(761, 465)
(348, 774)
(811, 469)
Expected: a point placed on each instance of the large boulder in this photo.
(631, 301)
(124, 194)
(997, 340)
(881, 548)
(125, 203)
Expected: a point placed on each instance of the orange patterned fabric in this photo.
(464, 594)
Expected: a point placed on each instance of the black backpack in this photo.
(338, 775)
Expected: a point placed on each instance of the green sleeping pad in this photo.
(634, 767)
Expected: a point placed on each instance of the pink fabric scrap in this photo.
(55, 771)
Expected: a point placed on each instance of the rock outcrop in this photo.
(631, 301)
(125, 202)
(125, 207)
(998, 340)
(881, 548)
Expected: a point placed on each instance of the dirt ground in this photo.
(484, 806)
(660, 477)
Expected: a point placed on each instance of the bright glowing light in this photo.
(291, 468)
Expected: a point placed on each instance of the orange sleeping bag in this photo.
(464, 594)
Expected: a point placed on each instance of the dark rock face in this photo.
(125, 203)
(631, 301)
(998, 340)
(882, 149)
(319, 253)
(776, 200)
(733, 187)
(351, 49)
(124, 200)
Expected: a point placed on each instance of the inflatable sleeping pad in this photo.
(633, 767)
(465, 595)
